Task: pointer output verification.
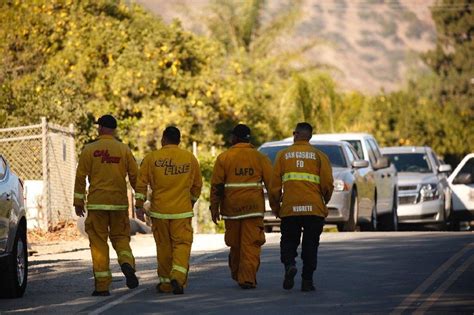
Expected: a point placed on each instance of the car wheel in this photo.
(351, 224)
(394, 217)
(268, 228)
(394, 223)
(452, 222)
(454, 225)
(443, 224)
(389, 221)
(373, 225)
(15, 276)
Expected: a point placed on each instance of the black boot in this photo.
(177, 288)
(290, 273)
(129, 272)
(307, 285)
(247, 285)
(100, 293)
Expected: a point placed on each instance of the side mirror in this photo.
(360, 163)
(382, 162)
(444, 168)
(463, 179)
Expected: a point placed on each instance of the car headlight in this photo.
(340, 185)
(429, 192)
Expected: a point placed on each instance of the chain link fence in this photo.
(44, 157)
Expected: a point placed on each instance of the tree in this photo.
(255, 71)
(453, 62)
(73, 61)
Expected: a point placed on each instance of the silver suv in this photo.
(384, 175)
(13, 245)
(424, 194)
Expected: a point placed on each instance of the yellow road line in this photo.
(443, 287)
(415, 295)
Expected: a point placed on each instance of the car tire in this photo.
(351, 224)
(452, 221)
(443, 224)
(389, 221)
(373, 224)
(454, 225)
(15, 276)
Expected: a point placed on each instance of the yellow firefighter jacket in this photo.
(237, 182)
(305, 175)
(175, 180)
(105, 162)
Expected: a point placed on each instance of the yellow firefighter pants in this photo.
(245, 238)
(99, 225)
(173, 238)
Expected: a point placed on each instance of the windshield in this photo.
(358, 147)
(334, 153)
(410, 162)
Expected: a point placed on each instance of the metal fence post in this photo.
(46, 193)
(194, 221)
(72, 143)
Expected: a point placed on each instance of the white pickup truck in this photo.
(383, 215)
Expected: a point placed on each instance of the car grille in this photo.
(419, 217)
(407, 195)
(405, 200)
(405, 188)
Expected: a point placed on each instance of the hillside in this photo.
(371, 44)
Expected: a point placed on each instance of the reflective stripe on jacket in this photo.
(304, 174)
(106, 163)
(175, 180)
(237, 182)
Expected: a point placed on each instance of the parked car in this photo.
(461, 182)
(383, 214)
(353, 193)
(13, 244)
(424, 195)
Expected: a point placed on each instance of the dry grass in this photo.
(63, 231)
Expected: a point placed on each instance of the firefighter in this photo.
(174, 178)
(237, 196)
(106, 163)
(304, 175)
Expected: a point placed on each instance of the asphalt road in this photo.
(404, 272)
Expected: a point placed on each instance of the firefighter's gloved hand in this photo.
(215, 215)
(140, 212)
(220, 190)
(79, 211)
